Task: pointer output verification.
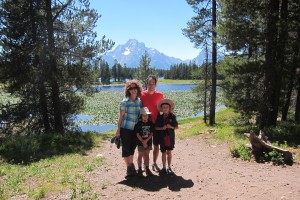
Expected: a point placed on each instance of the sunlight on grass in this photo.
(222, 131)
(54, 174)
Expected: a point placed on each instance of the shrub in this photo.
(284, 132)
(276, 157)
(241, 151)
(26, 149)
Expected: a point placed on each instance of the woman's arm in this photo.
(122, 112)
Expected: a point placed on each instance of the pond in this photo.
(160, 87)
(120, 88)
(104, 128)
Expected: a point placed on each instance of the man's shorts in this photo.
(155, 139)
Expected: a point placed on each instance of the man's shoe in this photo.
(140, 173)
(169, 171)
(155, 167)
(162, 172)
(133, 170)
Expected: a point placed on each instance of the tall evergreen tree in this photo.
(144, 70)
(48, 48)
(263, 32)
(202, 29)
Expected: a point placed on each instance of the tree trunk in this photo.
(288, 95)
(58, 123)
(260, 145)
(41, 86)
(269, 114)
(205, 85)
(282, 40)
(296, 59)
(297, 109)
(214, 69)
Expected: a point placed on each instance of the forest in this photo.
(50, 64)
(49, 47)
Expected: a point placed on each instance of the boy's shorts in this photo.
(141, 148)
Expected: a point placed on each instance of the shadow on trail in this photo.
(156, 183)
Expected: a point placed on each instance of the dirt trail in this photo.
(203, 171)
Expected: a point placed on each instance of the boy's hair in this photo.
(149, 118)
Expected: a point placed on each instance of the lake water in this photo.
(120, 88)
(160, 87)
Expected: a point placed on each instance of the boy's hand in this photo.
(144, 144)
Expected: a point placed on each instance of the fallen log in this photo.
(260, 144)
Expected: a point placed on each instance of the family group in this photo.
(146, 118)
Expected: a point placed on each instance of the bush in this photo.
(276, 157)
(288, 132)
(26, 149)
(241, 151)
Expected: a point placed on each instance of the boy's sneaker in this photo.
(162, 172)
(148, 172)
(169, 171)
(140, 173)
(143, 167)
(155, 167)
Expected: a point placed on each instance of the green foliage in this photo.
(104, 73)
(242, 85)
(241, 151)
(181, 71)
(285, 132)
(276, 157)
(144, 69)
(104, 106)
(27, 149)
(43, 60)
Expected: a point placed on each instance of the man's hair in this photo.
(151, 77)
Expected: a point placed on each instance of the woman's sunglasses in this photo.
(132, 88)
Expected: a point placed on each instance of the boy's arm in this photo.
(139, 137)
(148, 138)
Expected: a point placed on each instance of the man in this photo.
(150, 98)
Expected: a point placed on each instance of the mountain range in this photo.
(131, 53)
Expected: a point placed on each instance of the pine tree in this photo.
(202, 29)
(48, 48)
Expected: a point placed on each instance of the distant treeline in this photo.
(119, 73)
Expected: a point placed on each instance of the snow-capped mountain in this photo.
(131, 53)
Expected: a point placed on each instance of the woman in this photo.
(129, 115)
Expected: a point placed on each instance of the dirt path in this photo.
(204, 171)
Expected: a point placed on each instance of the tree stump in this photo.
(260, 144)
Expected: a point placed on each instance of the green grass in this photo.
(53, 174)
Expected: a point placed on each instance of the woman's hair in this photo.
(138, 85)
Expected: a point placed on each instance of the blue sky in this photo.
(156, 23)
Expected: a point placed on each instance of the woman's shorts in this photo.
(128, 142)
